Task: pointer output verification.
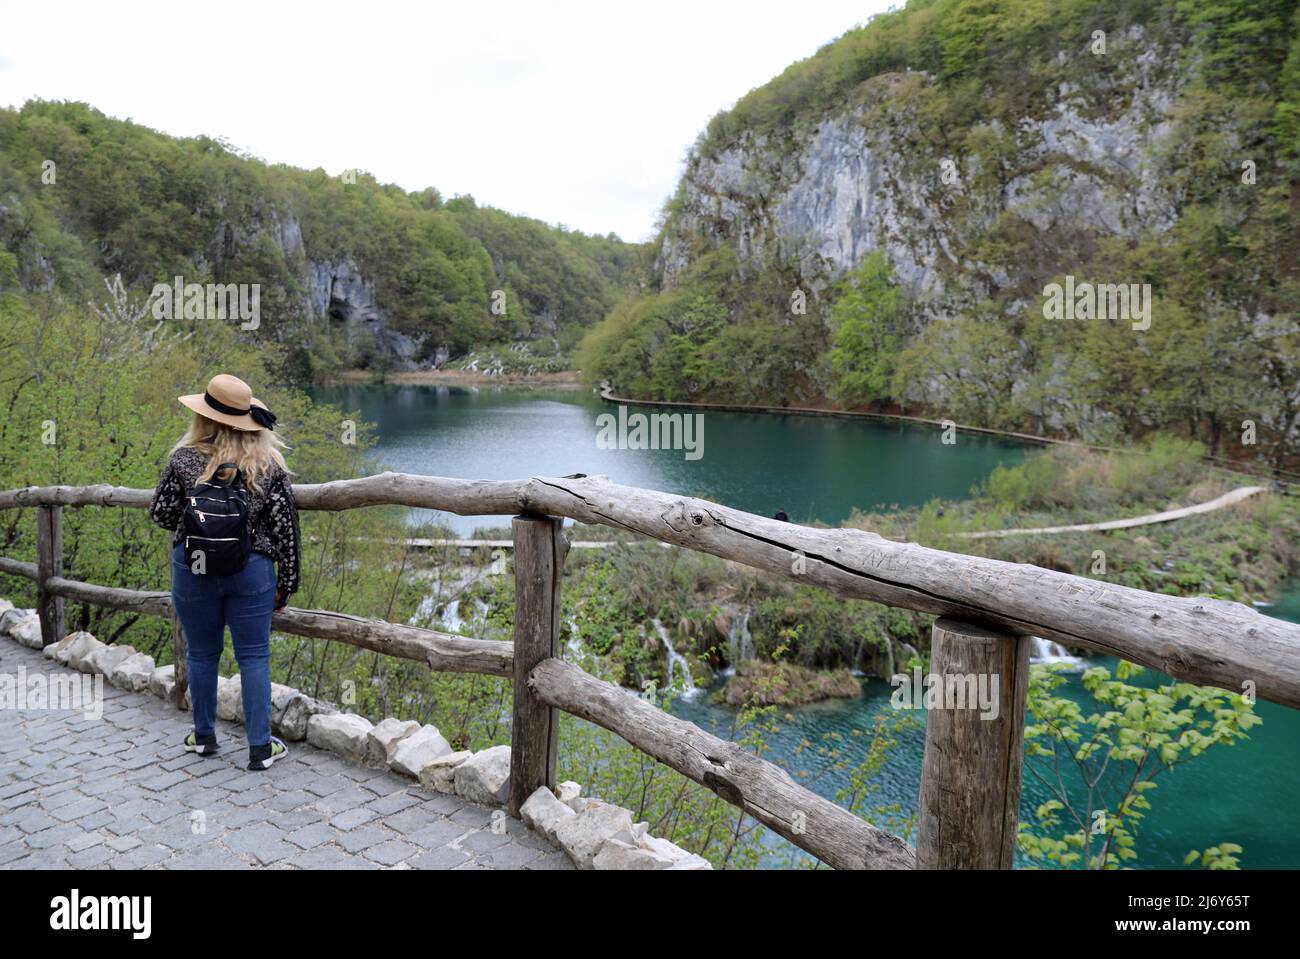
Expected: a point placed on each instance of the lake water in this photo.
(821, 469)
(1246, 793)
(812, 467)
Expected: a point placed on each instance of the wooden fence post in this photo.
(180, 658)
(49, 562)
(971, 774)
(539, 567)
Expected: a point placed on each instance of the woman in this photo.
(230, 425)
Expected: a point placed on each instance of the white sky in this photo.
(573, 112)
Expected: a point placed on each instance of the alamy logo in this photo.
(1100, 301)
(207, 301)
(946, 691)
(656, 431)
(57, 691)
(71, 913)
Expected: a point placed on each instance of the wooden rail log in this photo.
(1206, 641)
(441, 651)
(16, 567)
(149, 603)
(464, 497)
(100, 495)
(760, 788)
(972, 770)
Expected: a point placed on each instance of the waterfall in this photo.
(675, 658)
(740, 644)
(1045, 651)
(452, 621)
(450, 617)
(425, 612)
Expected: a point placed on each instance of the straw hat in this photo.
(231, 401)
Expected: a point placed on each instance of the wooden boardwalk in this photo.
(1150, 519)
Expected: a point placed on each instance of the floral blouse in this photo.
(273, 514)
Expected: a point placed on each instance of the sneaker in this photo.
(204, 746)
(261, 757)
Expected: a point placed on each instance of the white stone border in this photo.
(593, 833)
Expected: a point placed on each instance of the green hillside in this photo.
(84, 196)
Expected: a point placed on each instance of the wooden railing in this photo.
(989, 609)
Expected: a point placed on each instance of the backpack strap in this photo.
(239, 474)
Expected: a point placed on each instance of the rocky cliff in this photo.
(867, 177)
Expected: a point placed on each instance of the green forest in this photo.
(85, 197)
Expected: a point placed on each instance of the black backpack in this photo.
(215, 525)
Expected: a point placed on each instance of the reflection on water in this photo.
(813, 468)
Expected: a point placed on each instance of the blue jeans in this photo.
(206, 605)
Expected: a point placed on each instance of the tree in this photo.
(965, 368)
(1138, 733)
(869, 320)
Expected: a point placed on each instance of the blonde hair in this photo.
(255, 452)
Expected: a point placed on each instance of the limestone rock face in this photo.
(417, 750)
(383, 739)
(582, 835)
(162, 681)
(344, 733)
(230, 701)
(341, 292)
(440, 775)
(543, 812)
(485, 776)
(106, 658)
(26, 629)
(59, 651)
(133, 673)
(81, 651)
(850, 185)
(818, 198)
(291, 710)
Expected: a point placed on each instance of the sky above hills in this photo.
(573, 112)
